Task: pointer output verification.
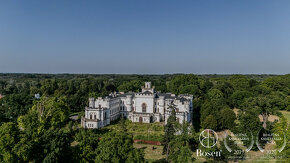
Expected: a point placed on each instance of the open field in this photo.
(145, 131)
(150, 154)
(286, 114)
(271, 118)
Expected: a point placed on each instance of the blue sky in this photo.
(145, 37)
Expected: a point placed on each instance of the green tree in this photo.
(214, 102)
(227, 118)
(117, 147)
(88, 141)
(249, 123)
(190, 89)
(278, 83)
(288, 103)
(169, 130)
(264, 105)
(238, 97)
(239, 82)
(215, 95)
(123, 125)
(54, 146)
(225, 87)
(180, 150)
(134, 85)
(9, 136)
(14, 105)
(42, 139)
(25, 148)
(282, 128)
(53, 112)
(210, 123)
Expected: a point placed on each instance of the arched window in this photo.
(144, 106)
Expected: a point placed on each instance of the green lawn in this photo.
(146, 131)
(150, 154)
(286, 114)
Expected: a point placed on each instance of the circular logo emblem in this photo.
(208, 138)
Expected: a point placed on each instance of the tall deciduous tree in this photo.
(210, 122)
(54, 146)
(227, 118)
(264, 105)
(88, 141)
(118, 147)
(9, 136)
(169, 131)
(180, 150)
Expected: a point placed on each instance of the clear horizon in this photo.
(145, 37)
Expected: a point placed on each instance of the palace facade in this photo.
(147, 106)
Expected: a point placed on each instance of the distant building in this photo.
(146, 107)
(37, 96)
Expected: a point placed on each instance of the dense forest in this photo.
(40, 130)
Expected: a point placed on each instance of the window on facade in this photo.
(95, 116)
(91, 116)
(105, 117)
(99, 106)
(144, 106)
(177, 110)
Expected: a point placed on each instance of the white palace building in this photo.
(147, 106)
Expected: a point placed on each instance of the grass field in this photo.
(150, 154)
(145, 131)
(286, 114)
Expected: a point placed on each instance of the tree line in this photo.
(39, 130)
